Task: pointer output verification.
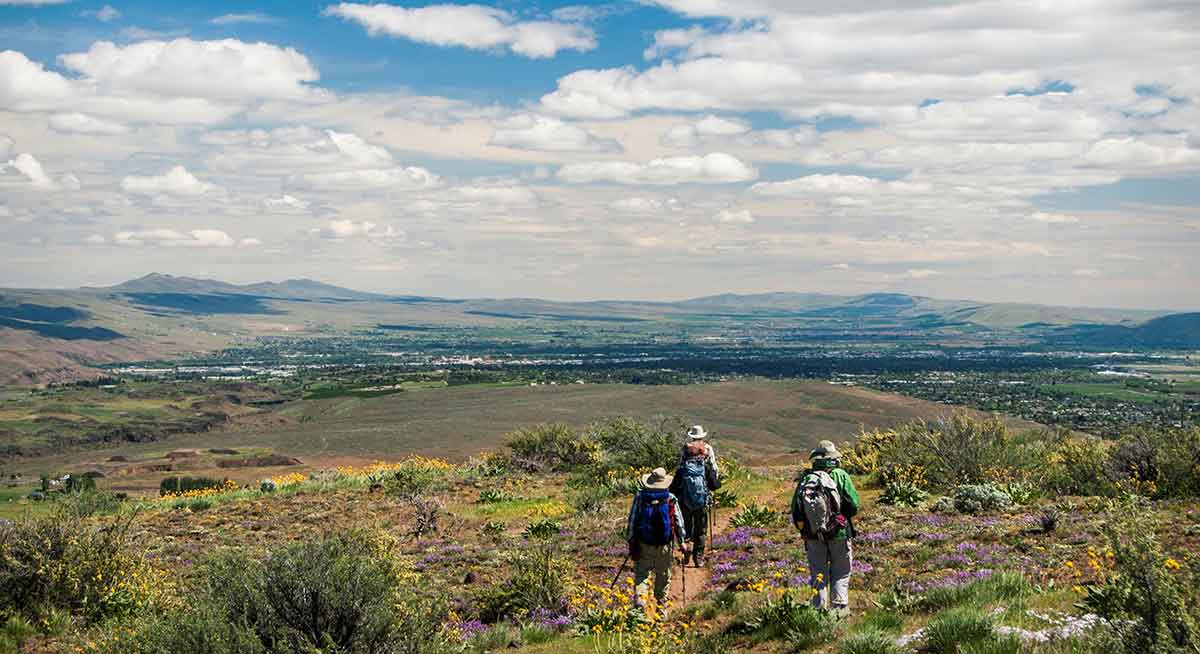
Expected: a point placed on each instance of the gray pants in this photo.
(829, 565)
(656, 559)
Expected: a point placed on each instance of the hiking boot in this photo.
(687, 556)
(699, 561)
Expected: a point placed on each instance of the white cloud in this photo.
(249, 242)
(238, 19)
(840, 266)
(340, 230)
(835, 184)
(1054, 218)
(534, 132)
(104, 14)
(31, 172)
(712, 168)
(412, 177)
(645, 205)
(739, 216)
(284, 204)
(704, 130)
(196, 238)
(1087, 272)
(509, 196)
(77, 123)
(95, 239)
(920, 273)
(470, 26)
(177, 181)
(181, 81)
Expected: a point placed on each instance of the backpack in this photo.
(694, 474)
(655, 519)
(696, 448)
(819, 503)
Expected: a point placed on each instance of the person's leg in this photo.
(662, 572)
(641, 573)
(818, 571)
(841, 557)
(689, 525)
(699, 535)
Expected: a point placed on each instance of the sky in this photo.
(1041, 152)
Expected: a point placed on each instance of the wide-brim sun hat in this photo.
(697, 433)
(825, 450)
(656, 479)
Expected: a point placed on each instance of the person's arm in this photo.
(850, 500)
(677, 516)
(712, 461)
(633, 511)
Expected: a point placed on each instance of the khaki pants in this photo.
(829, 565)
(657, 559)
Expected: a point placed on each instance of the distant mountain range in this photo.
(48, 334)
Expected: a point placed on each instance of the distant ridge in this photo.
(291, 289)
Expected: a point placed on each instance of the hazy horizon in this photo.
(652, 150)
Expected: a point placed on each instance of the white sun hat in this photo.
(697, 433)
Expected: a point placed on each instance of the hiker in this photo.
(696, 445)
(823, 507)
(695, 480)
(654, 529)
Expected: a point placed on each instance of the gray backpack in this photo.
(819, 502)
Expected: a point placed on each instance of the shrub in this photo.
(1145, 597)
(974, 498)
(493, 529)
(862, 458)
(537, 580)
(1158, 463)
(1078, 466)
(952, 630)
(724, 498)
(180, 485)
(494, 496)
(960, 449)
(552, 447)
(790, 617)
(630, 443)
(868, 641)
(755, 515)
(903, 485)
(416, 476)
(329, 594)
(64, 562)
(589, 500)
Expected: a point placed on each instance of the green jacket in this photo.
(850, 500)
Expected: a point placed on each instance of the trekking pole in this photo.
(619, 571)
(683, 578)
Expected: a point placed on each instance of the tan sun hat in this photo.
(825, 450)
(657, 479)
(697, 433)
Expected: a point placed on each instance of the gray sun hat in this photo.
(825, 450)
(697, 433)
(657, 479)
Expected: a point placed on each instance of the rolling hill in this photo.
(60, 334)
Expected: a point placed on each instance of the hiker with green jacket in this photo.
(823, 508)
(654, 529)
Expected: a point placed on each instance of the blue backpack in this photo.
(695, 483)
(654, 519)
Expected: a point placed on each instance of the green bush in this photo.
(790, 617)
(178, 485)
(552, 447)
(537, 580)
(975, 498)
(755, 515)
(1078, 466)
(415, 477)
(588, 500)
(494, 496)
(65, 562)
(629, 443)
(1161, 463)
(1147, 598)
(725, 499)
(868, 641)
(952, 630)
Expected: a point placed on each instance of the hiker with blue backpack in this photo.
(654, 529)
(823, 508)
(695, 480)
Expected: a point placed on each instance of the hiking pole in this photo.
(683, 578)
(712, 523)
(619, 571)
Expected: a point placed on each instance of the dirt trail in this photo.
(696, 578)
